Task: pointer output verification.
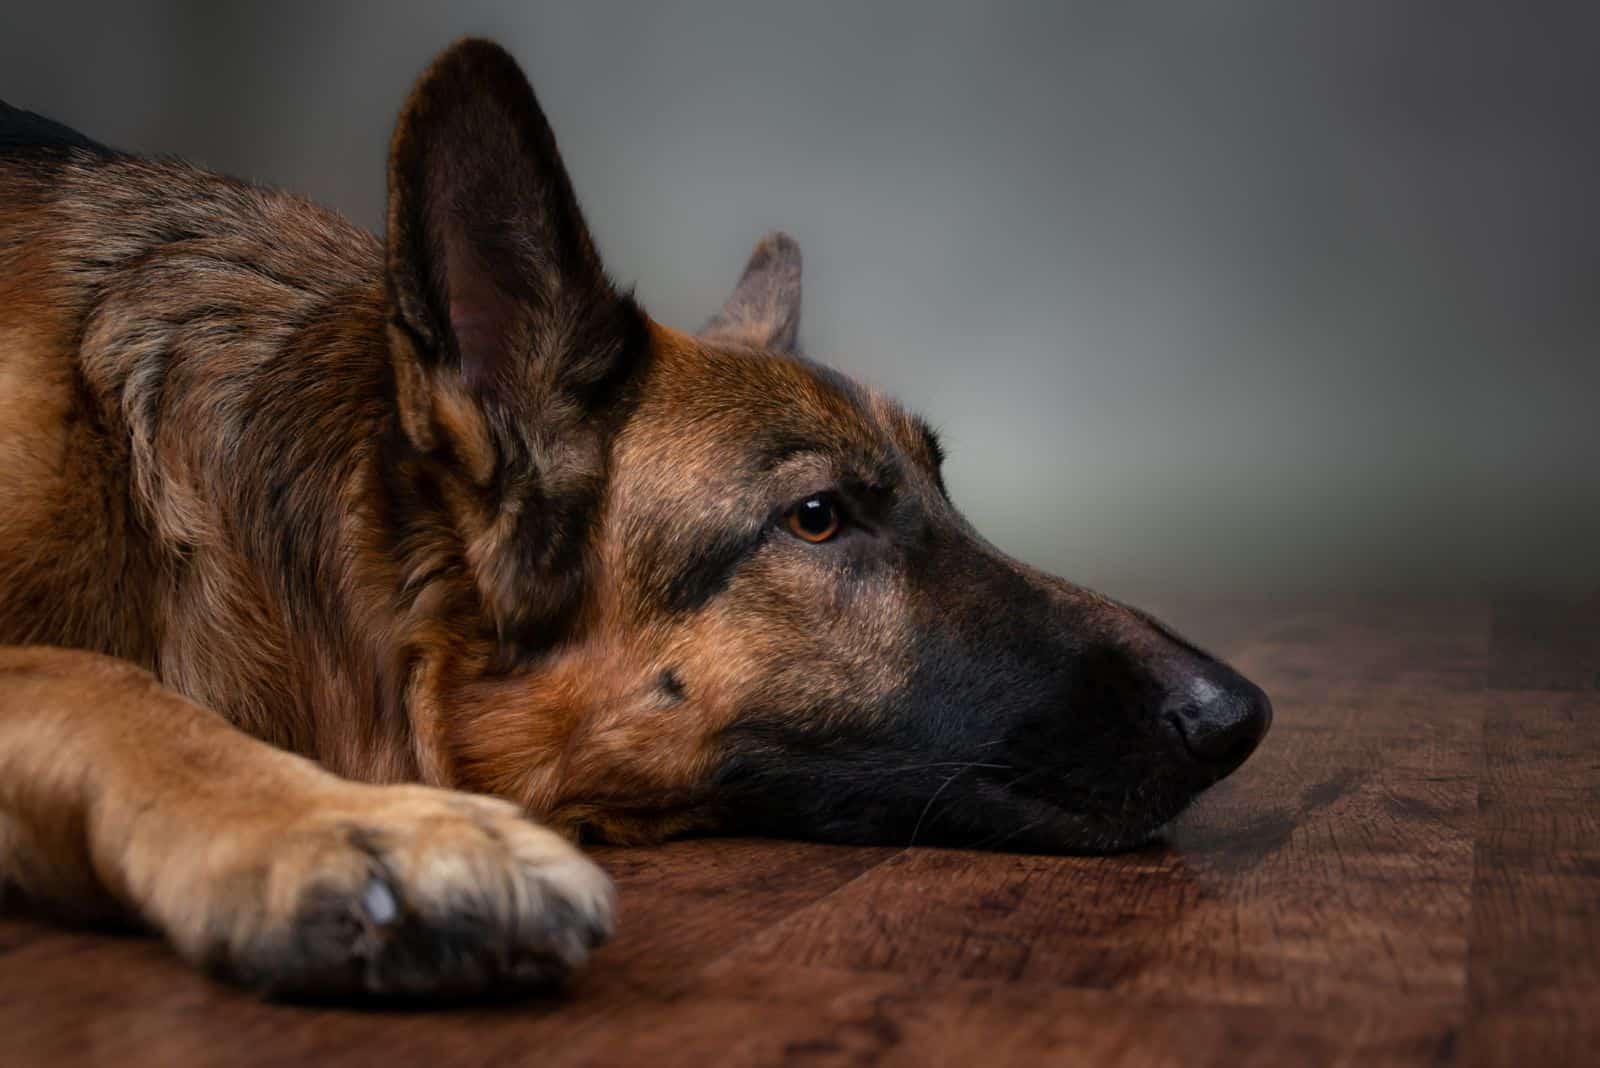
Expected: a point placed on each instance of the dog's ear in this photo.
(511, 347)
(764, 309)
(491, 267)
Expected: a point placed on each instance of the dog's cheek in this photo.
(587, 731)
(842, 649)
(505, 736)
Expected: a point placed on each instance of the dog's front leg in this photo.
(116, 792)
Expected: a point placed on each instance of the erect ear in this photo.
(511, 346)
(764, 309)
(490, 265)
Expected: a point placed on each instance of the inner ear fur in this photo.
(512, 348)
(764, 308)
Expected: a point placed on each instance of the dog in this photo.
(346, 584)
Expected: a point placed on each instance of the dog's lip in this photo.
(1047, 826)
(1106, 841)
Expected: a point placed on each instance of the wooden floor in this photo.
(1408, 872)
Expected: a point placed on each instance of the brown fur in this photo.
(290, 511)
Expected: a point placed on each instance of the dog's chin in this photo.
(1042, 827)
(1006, 822)
(1031, 827)
(1094, 838)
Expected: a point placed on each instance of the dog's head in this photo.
(661, 582)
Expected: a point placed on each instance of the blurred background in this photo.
(1234, 299)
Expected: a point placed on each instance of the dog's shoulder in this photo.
(22, 130)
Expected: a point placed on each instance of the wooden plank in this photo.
(1535, 927)
(1546, 643)
(797, 1015)
(137, 1007)
(684, 904)
(1534, 971)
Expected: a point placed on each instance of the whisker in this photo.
(925, 808)
(996, 840)
(963, 764)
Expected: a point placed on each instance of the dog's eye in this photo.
(815, 519)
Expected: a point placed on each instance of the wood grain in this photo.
(1407, 873)
(1535, 960)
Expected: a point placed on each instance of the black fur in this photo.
(704, 572)
(21, 129)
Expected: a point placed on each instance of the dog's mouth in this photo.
(1024, 825)
(1113, 816)
(1044, 827)
(868, 797)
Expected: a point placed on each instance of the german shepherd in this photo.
(327, 561)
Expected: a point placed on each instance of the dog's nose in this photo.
(1220, 716)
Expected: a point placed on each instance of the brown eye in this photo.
(815, 519)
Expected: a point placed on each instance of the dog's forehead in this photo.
(768, 406)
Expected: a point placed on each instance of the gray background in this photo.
(1207, 298)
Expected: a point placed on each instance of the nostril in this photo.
(1220, 728)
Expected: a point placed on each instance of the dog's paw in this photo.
(405, 891)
